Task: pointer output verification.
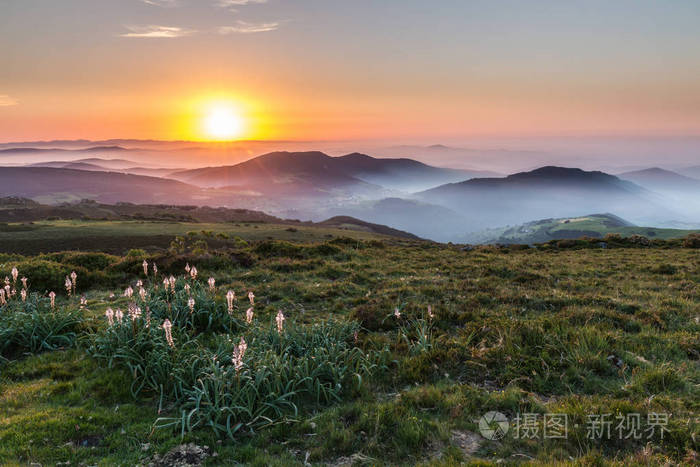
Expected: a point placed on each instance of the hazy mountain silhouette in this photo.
(57, 184)
(545, 192)
(661, 179)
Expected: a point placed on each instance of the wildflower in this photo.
(142, 294)
(251, 297)
(280, 321)
(167, 327)
(430, 312)
(134, 312)
(249, 315)
(230, 297)
(83, 302)
(238, 353)
(397, 313)
(109, 313)
(212, 283)
(145, 267)
(13, 292)
(7, 280)
(139, 283)
(190, 304)
(166, 284)
(23, 293)
(2, 297)
(15, 273)
(111, 296)
(128, 292)
(52, 296)
(355, 335)
(187, 268)
(148, 317)
(171, 279)
(119, 315)
(155, 269)
(7, 291)
(73, 279)
(24, 282)
(187, 288)
(193, 272)
(69, 285)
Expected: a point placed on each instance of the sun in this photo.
(223, 123)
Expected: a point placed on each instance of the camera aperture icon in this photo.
(493, 425)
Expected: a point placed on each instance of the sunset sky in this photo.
(347, 70)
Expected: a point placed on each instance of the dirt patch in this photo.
(184, 455)
(467, 442)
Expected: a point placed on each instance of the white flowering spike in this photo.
(187, 288)
(119, 315)
(167, 327)
(166, 284)
(148, 317)
(430, 312)
(142, 294)
(145, 267)
(83, 302)
(155, 269)
(129, 292)
(238, 353)
(15, 273)
(109, 313)
(280, 321)
(23, 294)
(230, 297)
(190, 304)
(193, 272)
(52, 296)
(73, 279)
(24, 283)
(7, 280)
(134, 312)
(139, 283)
(2, 297)
(249, 315)
(69, 285)
(251, 297)
(212, 284)
(187, 268)
(397, 313)
(172, 281)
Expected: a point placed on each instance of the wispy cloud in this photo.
(163, 3)
(234, 3)
(244, 27)
(157, 32)
(6, 101)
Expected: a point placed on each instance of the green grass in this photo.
(586, 331)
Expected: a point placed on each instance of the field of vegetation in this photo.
(272, 346)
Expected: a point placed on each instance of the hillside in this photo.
(318, 168)
(543, 193)
(389, 353)
(53, 185)
(662, 180)
(593, 226)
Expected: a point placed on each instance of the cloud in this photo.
(244, 27)
(233, 3)
(163, 3)
(6, 101)
(154, 31)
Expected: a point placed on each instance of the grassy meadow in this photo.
(388, 351)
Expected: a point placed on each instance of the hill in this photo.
(52, 185)
(543, 193)
(318, 168)
(661, 180)
(594, 226)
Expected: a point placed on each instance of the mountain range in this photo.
(428, 201)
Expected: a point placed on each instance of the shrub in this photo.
(692, 241)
